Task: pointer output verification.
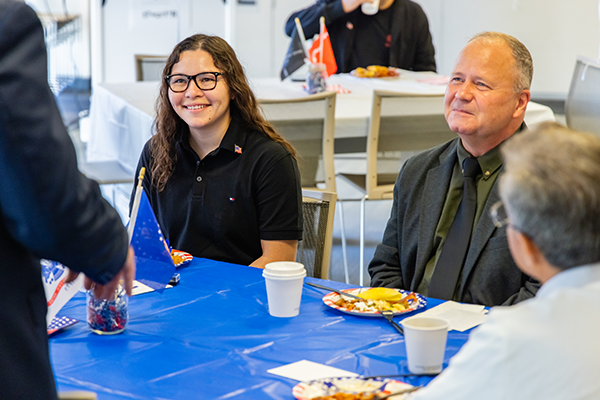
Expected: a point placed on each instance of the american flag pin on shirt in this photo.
(238, 149)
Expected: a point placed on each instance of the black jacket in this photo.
(47, 208)
(411, 46)
(489, 277)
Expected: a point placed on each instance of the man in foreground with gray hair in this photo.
(546, 347)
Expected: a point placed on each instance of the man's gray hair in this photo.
(551, 191)
(524, 62)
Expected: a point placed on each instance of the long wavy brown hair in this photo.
(169, 127)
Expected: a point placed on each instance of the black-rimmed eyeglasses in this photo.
(204, 81)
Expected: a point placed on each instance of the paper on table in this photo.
(57, 291)
(140, 288)
(461, 316)
(305, 370)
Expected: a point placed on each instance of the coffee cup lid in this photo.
(284, 268)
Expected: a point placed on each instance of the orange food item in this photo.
(347, 396)
(375, 71)
(399, 305)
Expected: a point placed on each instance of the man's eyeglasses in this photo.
(500, 218)
(204, 81)
(498, 214)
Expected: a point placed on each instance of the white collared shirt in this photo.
(545, 348)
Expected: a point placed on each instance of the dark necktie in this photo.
(447, 271)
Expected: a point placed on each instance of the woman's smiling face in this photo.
(205, 112)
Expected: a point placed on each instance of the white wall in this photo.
(260, 39)
(554, 31)
(151, 27)
(258, 33)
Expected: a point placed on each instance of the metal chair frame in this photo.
(319, 196)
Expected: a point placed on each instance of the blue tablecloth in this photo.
(211, 337)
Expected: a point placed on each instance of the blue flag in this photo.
(154, 265)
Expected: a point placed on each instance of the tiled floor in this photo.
(377, 212)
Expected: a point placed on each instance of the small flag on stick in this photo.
(153, 261)
(296, 53)
(321, 51)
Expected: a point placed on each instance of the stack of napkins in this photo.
(461, 316)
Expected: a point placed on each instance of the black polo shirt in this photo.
(221, 207)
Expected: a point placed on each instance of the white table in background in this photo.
(122, 114)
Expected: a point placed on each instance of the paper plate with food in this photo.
(180, 258)
(350, 388)
(376, 71)
(376, 300)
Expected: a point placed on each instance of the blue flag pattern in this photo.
(154, 265)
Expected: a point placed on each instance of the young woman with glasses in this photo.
(222, 182)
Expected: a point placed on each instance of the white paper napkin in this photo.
(305, 370)
(140, 288)
(461, 316)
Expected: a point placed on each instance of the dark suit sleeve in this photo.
(309, 17)
(385, 269)
(47, 205)
(529, 290)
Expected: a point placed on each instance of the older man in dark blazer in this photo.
(485, 104)
(47, 209)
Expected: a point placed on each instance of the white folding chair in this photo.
(106, 173)
(388, 136)
(308, 123)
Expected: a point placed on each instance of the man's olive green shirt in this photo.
(490, 163)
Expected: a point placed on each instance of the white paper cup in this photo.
(425, 339)
(284, 281)
(370, 8)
